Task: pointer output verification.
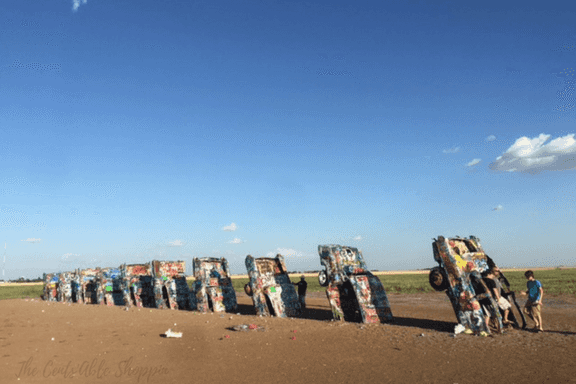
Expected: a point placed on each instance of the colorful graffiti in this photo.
(461, 263)
(213, 285)
(170, 286)
(270, 287)
(354, 293)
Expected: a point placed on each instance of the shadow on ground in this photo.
(312, 313)
(435, 325)
(322, 314)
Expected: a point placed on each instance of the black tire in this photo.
(438, 280)
(248, 290)
(323, 278)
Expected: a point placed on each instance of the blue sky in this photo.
(133, 131)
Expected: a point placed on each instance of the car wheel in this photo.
(248, 289)
(323, 278)
(438, 280)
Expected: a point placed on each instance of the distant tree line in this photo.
(23, 280)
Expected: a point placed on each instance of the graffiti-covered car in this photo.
(461, 264)
(170, 286)
(270, 287)
(51, 282)
(213, 285)
(355, 294)
(68, 287)
(139, 282)
(90, 288)
(114, 286)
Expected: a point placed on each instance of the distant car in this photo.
(170, 285)
(355, 294)
(68, 287)
(139, 282)
(270, 287)
(51, 282)
(461, 263)
(90, 289)
(213, 285)
(114, 286)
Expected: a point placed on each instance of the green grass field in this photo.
(554, 281)
(20, 292)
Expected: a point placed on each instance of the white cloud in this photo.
(535, 155)
(473, 162)
(491, 138)
(76, 4)
(286, 252)
(358, 238)
(175, 243)
(31, 240)
(451, 150)
(236, 241)
(497, 208)
(230, 228)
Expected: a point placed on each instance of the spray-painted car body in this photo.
(461, 263)
(139, 283)
(51, 282)
(114, 286)
(213, 285)
(270, 287)
(170, 285)
(90, 288)
(68, 287)
(355, 294)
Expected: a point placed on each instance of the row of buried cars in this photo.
(157, 284)
(354, 293)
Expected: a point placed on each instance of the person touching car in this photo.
(496, 291)
(302, 287)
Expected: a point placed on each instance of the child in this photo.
(533, 305)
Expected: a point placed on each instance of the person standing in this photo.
(496, 291)
(302, 287)
(533, 306)
(501, 281)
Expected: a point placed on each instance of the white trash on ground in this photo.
(459, 329)
(170, 333)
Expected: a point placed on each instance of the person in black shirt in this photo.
(302, 286)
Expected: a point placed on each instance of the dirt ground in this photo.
(44, 342)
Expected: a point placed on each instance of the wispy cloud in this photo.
(31, 240)
(452, 150)
(236, 241)
(358, 238)
(76, 4)
(287, 252)
(230, 228)
(535, 155)
(473, 162)
(497, 208)
(491, 138)
(175, 243)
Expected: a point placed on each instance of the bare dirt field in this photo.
(44, 342)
